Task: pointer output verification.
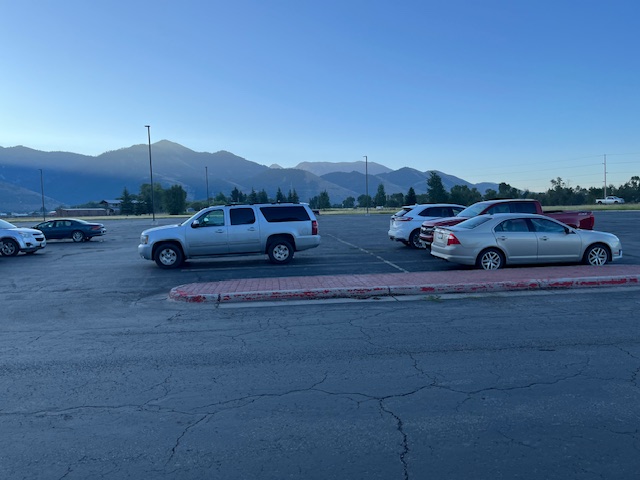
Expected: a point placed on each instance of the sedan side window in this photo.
(513, 225)
(548, 226)
(214, 218)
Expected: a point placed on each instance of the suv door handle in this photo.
(251, 229)
(503, 237)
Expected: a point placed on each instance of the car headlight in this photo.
(144, 239)
(25, 234)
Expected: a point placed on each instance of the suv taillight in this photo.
(314, 227)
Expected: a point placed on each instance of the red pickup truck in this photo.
(576, 219)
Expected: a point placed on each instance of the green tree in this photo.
(293, 196)
(237, 196)
(263, 197)
(411, 198)
(507, 191)
(349, 202)
(435, 190)
(253, 196)
(395, 200)
(380, 199)
(145, 197)
(126, 202)
(175, 200)
(323, 200)
(364, 201)
(280, 198)
(463, 195)
(490, 194)
(220, 199)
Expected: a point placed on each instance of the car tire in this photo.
(596, 255)
(414, 240)
(10, 248)
(280, 251)
(168, 255)
(490, 259)
(77, 236)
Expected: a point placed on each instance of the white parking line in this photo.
(369, 253)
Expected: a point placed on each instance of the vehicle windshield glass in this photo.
(474, 222)
(402, 212)
(472, 211)
(4, 224)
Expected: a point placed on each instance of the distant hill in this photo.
(72, 179)
(322, 168)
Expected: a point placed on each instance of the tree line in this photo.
(173, 200)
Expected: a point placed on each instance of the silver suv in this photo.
(14, 240)
(277, 230)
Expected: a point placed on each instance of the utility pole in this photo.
(366, 181)
(44, 216)
(206, 175)
(605, 176)
(153, 208)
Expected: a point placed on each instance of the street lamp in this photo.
(44, 216)
(153, 210)
(366, 181)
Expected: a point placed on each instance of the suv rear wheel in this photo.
(280, 251)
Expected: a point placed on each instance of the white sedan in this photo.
(493, 241)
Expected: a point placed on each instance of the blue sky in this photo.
(487, 90)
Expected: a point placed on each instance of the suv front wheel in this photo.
(280, 251)
(168, 255)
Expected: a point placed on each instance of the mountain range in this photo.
(71, 179)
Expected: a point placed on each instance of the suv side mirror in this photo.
(195, 224)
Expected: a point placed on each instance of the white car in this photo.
(609, 200)
(14, 240)
(493, 241)
(405, 224)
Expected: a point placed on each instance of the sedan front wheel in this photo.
(596, 255)
(77, 236)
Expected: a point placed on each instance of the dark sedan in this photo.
(76, 230)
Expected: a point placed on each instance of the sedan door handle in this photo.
(503, 238)
(220, 231)
(545, 238)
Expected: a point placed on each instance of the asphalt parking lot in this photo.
(351, 244)
(103, 377)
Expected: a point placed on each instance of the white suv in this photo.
(278, 230)
(14, 240)
(405, 224)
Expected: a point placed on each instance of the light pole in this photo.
(44, 216)
(206, 176)
(153, 209)
(366, 181)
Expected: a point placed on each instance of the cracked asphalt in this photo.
(103, 377)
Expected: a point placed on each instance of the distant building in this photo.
(113, 206)
(83, 212)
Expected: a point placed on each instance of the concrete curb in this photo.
(216, 293)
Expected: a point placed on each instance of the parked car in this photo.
(405, 224)
(77, 230)
(277, 230)
(609, 200)
(576, 219)
(493, 241)
(14, 240)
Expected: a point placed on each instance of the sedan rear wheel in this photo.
(77, 236)
(596, 255)
(490, 259)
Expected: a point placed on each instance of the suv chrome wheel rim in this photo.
(281, 252)
(168, 257)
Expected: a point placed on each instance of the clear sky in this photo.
(520, 91)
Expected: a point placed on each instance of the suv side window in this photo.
(242, 216)
(294, 213)
(214, 218)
